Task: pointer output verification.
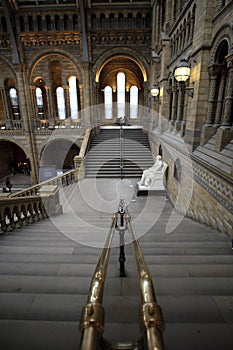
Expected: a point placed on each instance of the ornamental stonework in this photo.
(56, 39)
(121, 38)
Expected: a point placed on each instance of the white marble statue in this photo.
(152, 178)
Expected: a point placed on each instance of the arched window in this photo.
(30, 24)
(133, 102)
(102, 21)
(60, 102)
(3, 24)
(75, 22)
(130, 20)
(121, 95)
(14, 103)
(93, 22)
(57, 22)
(139, 20)
(21, 24)
(73, 97)
(108, 102)
(39, 97)
(39, 102)
(111, 21)
(148, 20)
(39, 23)
(48, 22)
(66, 22)
(121, 22)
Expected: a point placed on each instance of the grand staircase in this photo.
(45, 277)
(118, 153)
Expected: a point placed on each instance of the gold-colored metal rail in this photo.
(92, 319)
(152, 323)
(121, 149)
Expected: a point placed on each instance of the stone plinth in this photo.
(51, 199)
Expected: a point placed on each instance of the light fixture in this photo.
(182, 74)
(155, 91)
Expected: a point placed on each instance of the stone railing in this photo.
(34, 203)
(15, 212)
(61, 180)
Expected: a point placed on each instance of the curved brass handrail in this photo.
(152, 323)
(92, 319)
(121, 149)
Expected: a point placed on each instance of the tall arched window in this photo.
(133, 102)
(21, 23)
(108, 102)
(30, 24)
(66, 22)
(48, 22)
(75, 22)
(14, 103)
(121, 95)
(73, 97)
(61, 103)
(39, 23)
(57, 22)
(39, 102)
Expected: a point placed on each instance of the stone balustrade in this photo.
(16, 212)
(34, 203)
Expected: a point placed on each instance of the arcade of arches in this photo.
(66, 69)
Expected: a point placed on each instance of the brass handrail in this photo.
(152, 323)
(121, 149)
(92, 319)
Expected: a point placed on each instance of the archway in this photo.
(14, 162)
(59, 153)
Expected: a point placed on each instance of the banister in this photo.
(152, 323)
(92, 319)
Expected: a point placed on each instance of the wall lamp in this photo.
(155, 90)
(181, 74)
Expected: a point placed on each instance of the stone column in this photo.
(214, 73)
(174, 105)
(127, 103)
(225, 132)
(6, 108)
(219, 107)
(50, 106)
(26, 112)
(209, 128)
(227, 113)
(32, 90)
(67, 100)
(180, 111)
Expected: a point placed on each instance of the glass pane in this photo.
(73, 97)
(61, 103)
(39, 97)
(133, 102)
(108, 102)
(120, 95)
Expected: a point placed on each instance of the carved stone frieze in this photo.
(49, 39)
(121, 38)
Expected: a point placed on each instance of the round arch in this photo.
(14, 157)
(47, 55)
(59, 152)
(123, 53)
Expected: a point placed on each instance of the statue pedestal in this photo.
(156, 185)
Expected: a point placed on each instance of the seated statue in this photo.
(153, 177)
